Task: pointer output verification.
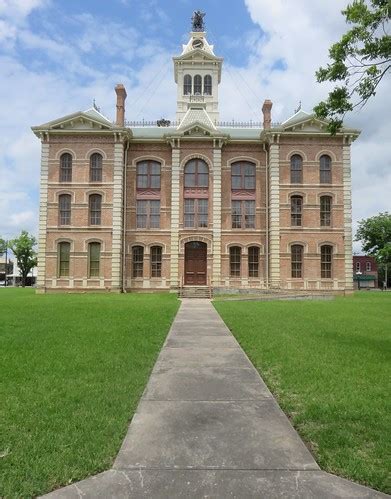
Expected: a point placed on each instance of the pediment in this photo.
(309, 125)
(197, 129)
(197, 54)
(90, 120)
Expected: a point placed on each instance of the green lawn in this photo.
(328, 363)
(73, 368)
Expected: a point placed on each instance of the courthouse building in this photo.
(195, 202)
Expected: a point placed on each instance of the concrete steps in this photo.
(195, 292)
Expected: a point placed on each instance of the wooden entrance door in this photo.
(195, 263)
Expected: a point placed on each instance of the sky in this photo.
(56, 56)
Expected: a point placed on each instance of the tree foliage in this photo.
(375, 236)
(25, 254)
(359, 61)
(3, 245)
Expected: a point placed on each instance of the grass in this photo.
(328, 364)
(73, 368)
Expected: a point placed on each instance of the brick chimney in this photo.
(267, 113)
(121, 96)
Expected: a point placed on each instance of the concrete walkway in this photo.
(207, 426)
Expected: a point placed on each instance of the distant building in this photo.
(196, 202)
(6, 268)
(365, 272)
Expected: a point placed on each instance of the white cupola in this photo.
(197, 75)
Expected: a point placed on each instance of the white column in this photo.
(274, 215)
(43, 204)
(118, 189)
(175, 168)
(347, 210)
(216, 217)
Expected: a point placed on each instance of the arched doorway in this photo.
(195, 263)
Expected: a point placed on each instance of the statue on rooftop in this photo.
(198, 21)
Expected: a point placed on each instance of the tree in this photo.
(360, 60)
(26, 256)
(3, 245)
(375, 235)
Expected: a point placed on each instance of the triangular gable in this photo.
(91, 119)
(303, 121)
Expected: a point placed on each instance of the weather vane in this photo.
(198, 21)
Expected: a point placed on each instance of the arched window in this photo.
(358, 267)
(325, 169)
(297, 260)
(95, 205)
(64, 209)
(148, 175)
(368, 266)
(296, 211)
(94, 260)
(66, 167)
(156, 261)
(326, 258)
(196, 173)
(187, 85)
(197, 85)
(296, 169)
(207, 85)
(137, 261)
(235, 257)
(63, 257)
(253, 261)
(243, 175)
(325, 211)
(96, 167)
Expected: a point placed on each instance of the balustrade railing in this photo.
(163, 123)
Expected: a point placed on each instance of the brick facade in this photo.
(122, 147)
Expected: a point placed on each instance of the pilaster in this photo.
(175, 198)
(43, 203)
(274, 214)
(216, 217)
(117, 210)
(347, 205)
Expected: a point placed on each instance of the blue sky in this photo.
(56, 56)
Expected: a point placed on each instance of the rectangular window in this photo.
(195, 213)
(243, 176)
(95, 209)
(296, 211)
(326, 261)
(253, 261)
(156, 261)
(243, 214)
(236, 214)
(93, 259)
(137, 261)
(63, 259)
(297, 260)
(148, 214)
(325, 211)
(235, 254)
(148, 175)
(64, 201)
